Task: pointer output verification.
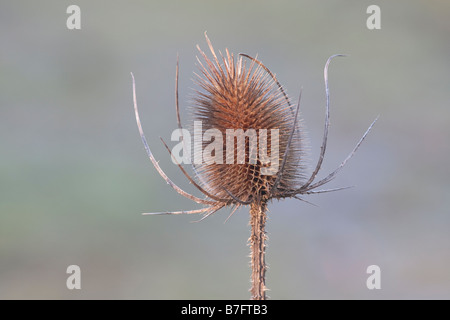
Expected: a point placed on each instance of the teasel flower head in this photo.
(239, 96)
(259, 147)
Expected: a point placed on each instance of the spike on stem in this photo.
(257, 242)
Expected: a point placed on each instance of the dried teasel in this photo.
(243, 94)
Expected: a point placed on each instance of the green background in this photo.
(74, 178)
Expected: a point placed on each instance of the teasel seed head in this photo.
(237, 93)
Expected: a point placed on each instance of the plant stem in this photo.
(257, 246)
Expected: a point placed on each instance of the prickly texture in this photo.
(257, 249)
(236, 95)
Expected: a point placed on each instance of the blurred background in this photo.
(74, 177)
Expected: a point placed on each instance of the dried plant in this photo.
(236, 95)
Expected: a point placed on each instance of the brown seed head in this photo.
(235, 96)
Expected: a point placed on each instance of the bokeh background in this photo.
(74, 177)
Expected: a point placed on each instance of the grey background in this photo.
(74, 177)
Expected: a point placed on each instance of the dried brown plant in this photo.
(237, 95)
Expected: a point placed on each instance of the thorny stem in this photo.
(257, 246)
